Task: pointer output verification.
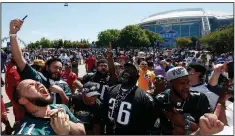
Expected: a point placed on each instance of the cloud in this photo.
(43, 34)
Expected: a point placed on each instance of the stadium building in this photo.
(184, 23)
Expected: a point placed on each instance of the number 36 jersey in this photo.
(133, 116)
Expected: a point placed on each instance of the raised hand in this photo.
(60, 123)
(210, 124)
(15, 25)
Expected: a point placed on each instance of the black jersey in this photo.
(103, 80)
(134, 114)
(195, 107)
(88, 114)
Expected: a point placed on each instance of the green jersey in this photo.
(32, 125)
(31, 73)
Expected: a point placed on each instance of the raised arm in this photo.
(113, 76)
(15, 26)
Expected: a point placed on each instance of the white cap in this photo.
(176, 72)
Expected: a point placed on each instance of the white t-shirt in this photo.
(64, 59)
(228, 130)
(229, 114)
(212, 97)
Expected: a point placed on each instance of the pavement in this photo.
(10, 115)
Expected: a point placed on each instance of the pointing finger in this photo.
(217, 110)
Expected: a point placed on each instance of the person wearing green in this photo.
(49, 77)
(42, 117)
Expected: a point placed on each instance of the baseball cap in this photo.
(175, 73)
(91, 89)
(68, 64)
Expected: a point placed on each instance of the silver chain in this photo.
(119, 98)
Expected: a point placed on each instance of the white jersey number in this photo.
(31, 127)
(123, 112)
(104, 87)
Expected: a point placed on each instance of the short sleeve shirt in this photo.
(31, 125)
(146, 79)
(31, 73)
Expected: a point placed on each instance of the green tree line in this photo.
(60, 43)
(220, 41)
(130, 36)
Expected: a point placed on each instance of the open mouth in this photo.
(43, 91)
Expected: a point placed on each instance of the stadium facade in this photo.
(184, 23)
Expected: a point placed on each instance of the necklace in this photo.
(178, 103)
(121, 95)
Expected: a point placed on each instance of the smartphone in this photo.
(25, 17)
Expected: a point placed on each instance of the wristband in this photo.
(188, 127)
(13, 35)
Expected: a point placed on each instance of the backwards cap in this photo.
(175, 73)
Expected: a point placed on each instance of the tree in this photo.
(60, 43)
(183, 41)
(194, 41)
(108, 36)
(133, 36)
(45, 43)
(153, 37)
(220, 41)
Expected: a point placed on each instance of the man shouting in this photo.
(43, 118)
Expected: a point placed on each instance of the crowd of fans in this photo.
(134, 92)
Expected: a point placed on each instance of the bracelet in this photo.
(188, 127)
(13, 35)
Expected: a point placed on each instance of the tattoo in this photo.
(34, 112)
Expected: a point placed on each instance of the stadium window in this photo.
(184, 30)
(195, 29)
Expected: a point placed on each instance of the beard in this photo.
(179, 93)
(103, 71)
(54, 75)
(40, 102)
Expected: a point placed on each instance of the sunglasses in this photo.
(144, 64)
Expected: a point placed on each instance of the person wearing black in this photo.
(87, 107)
(160, 86)
(74, 60)
(101, 76)
(179, 109)
(127, 108)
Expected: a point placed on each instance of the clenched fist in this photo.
(15, 26)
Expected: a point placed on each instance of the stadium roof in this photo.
(185, 13)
